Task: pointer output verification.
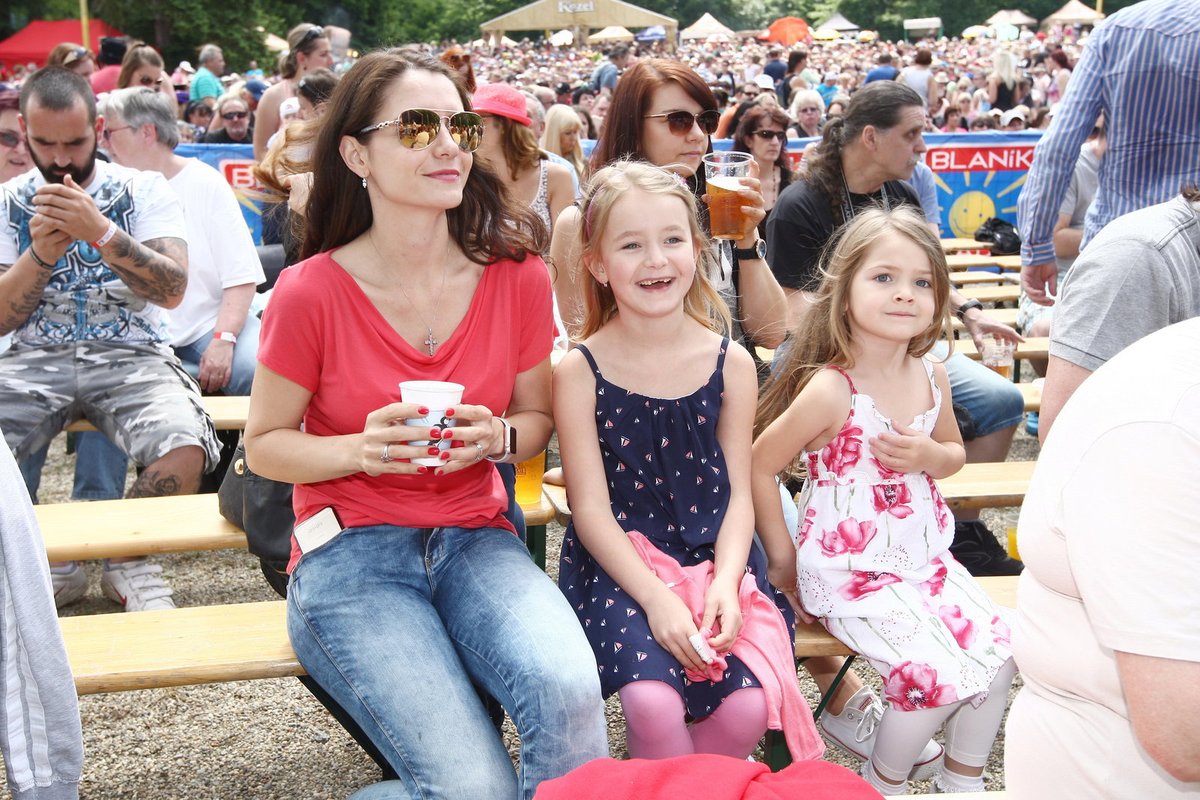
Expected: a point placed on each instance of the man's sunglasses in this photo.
(419, 127)
(769, 135)
(681, 122)
(9, 139)
(232, 115)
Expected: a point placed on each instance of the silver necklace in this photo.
(431, 342)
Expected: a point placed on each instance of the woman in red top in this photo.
(417, 267)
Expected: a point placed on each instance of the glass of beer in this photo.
(529, 480)
(997, 355)
(723, 171)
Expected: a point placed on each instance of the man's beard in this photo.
(54, 174)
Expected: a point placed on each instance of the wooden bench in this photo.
(1032, 347)
(228, 414)
(955, 245)
(988, 485)
(976, 277)
(992, 294)
(180, 524)
(967, 260)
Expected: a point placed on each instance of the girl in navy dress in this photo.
(654, 412)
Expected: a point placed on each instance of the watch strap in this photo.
(510, 444)
(759, 250)
(961, 311)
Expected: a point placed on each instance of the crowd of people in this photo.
(444, 224)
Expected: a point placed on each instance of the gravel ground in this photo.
(269, 738)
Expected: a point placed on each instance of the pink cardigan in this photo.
(762, 644)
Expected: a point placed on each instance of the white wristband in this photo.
(107, 237)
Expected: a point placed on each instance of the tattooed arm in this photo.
(156, 269)
(22, 282)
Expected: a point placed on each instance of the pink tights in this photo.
(654, 725)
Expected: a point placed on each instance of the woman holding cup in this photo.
(404, 575)
(664, 113)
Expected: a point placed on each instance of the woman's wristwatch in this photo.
(510, 444)
(961, 311)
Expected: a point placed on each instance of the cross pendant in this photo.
(430, 341)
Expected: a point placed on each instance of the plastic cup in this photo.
(722, 172)
(529, 480)
(1012, 544)
(437, 396)
(997, 355)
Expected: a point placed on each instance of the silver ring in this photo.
(480, 448)
(386, 457)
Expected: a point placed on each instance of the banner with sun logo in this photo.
(979, 176)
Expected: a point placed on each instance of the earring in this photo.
(364, 183)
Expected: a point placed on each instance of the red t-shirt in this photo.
(323, 333)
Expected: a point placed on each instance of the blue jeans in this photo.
(100, 468)
(396, 623)
(245, 357)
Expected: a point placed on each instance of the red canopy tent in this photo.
(786, 31)
(34, 42)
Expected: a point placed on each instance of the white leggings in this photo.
(970, 731)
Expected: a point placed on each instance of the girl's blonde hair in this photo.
(824, 337)
(702, 302)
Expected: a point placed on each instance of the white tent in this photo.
(1011, 17)
(839, 23)
(1073, 13)
(562, 38)
(613, 33)
(504, 42)
(705, 27)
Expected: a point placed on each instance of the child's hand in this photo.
(721, 606)
(782, 575)
(904, 450)
(671, 623)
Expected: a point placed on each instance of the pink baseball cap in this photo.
(502, 100)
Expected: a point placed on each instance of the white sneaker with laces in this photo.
(70, 583)
(853, 731)
(137, 585)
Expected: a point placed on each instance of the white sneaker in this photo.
(853, 731)
(137, 585)
(70, 583)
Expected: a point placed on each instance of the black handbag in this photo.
(263, 509)
(1001, 235)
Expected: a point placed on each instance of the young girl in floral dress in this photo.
(870, 417)
(654, 412)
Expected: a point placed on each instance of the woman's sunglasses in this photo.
(769, 135)
(681, 122)
(418, 127)
(9, 139)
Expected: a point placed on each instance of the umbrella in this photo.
(562, 38)
(974, 32)
(786, 31)
(613, 33)
(867, 36)
(274, 43)
(655, 33)
(1005, 32)
(827, 35)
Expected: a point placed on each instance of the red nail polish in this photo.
(433, 451)
(444, 456)
(449, 412)
(438, 472)
(447, 434)
(422, 470)
(422, 410)
(435, 434)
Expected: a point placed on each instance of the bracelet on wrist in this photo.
(107, 237)
(225, 336)
(38, 259)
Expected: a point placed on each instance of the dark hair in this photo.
(57, 89)
(10, 100)
(923, 58)
(622, 136)
(753, 120)
(795, 58)
(317, 86)
(487, 226)
(620, 51)
(878, 104)
(590, 126)
(1191, 192)
(1060, 58)
(301, 39)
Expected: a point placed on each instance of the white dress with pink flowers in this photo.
(874, 564)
